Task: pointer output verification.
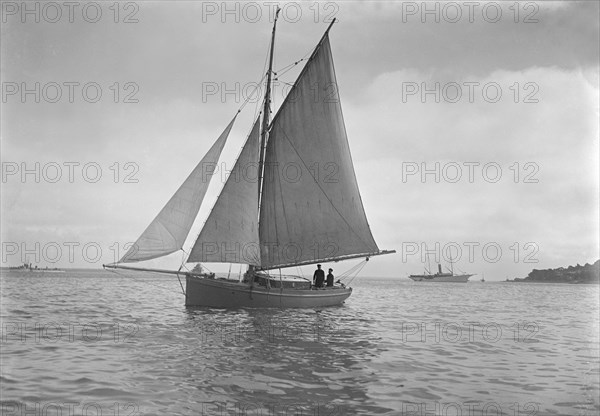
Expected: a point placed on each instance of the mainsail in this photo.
(311, 208)
(230, 234)
(168, 231)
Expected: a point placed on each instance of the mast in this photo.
(266, 110)
(264, 128)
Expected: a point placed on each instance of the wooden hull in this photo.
(220, 293)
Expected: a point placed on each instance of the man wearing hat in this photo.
(318, 277)
(330, 278)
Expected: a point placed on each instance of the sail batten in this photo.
(311, 207)
(167, 232)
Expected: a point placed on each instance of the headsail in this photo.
(230, 234)
(311, 208)
(168, 231)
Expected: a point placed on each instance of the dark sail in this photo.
(311, 208)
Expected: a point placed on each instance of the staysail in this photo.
(230, 233)
(311, 208)
(168, 231)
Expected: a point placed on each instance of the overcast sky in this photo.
(501, 98)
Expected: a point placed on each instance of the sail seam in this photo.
(322, 190)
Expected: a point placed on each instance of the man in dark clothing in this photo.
(318, 277)
(330, 278)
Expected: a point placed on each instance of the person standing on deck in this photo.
(330, 278)
(318, 277)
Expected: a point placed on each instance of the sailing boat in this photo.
(274, 221)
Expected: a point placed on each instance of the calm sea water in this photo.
(94, 342)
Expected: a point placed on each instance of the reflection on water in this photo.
(90, 341)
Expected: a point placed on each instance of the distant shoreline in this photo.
(586, 274)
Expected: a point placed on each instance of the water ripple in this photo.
(396, 347)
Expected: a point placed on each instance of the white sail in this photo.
(230, 234)
(168, 231)
(311, 208)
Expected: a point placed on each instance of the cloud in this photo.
(546, 152)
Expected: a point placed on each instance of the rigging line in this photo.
(289, 67)
(181, 284)
(285, 68)
(255, 255)
(256, 88)
(323, 191)
(259, 103)
(362, 265)
(145, 282)
(184, 255)
(348, 272)
(221, 190)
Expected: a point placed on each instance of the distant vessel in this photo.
(441, 277)
(482, 278)
(27, 267)
(271, 223)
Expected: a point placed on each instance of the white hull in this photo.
(462, 278)
(221, 293)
